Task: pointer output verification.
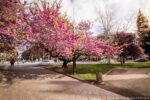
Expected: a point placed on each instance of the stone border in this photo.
(68, 75)
(94, 83)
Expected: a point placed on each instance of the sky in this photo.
(124, 10)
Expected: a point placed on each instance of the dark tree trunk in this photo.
(122, 60)
(74, 66)
(65, 64)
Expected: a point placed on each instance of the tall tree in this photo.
(144, 32)
(107, 20)
(142, 25)
(9, 10)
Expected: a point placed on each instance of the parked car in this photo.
(45, 61)
(141, 60)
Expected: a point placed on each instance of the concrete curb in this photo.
(68, 75)
(108, 72)
(87, 82)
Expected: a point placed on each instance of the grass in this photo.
(138, 65)
(88, 71)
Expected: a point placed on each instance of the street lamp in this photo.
(73, 8)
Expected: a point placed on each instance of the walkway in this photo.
(131, 81)
(37, 83)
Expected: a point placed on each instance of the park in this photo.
(74, 49)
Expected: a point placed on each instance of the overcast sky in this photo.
(86, 10)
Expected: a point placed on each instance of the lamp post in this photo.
(73, 8)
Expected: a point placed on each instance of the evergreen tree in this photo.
(144, 32)
(142, 24)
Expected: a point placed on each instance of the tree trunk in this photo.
(122, 59)
(74, 66)
(108, 58)
(65, 64)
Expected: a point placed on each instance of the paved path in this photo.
(37, 83)
(131, 81)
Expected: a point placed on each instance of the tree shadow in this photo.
(24, 73)
(71, 87)
(90, 68)
(129, 87)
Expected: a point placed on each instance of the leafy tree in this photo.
(35, 51)
(142, 25)
(144, 32)
(89, 45)
(55, 33)
(9, 12)
(146, 43)
(7, 48)
(6, 44)
(128, 45)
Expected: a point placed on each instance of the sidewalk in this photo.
(132, 81)
(37, 83)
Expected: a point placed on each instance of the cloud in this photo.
(86, 9)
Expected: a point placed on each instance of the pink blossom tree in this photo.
(88, 45)
(56, 35)
(11, 22)
(51, 29)
(10, 11)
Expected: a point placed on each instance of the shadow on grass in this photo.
(88, 71)
(93, 68)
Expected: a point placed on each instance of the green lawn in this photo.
(88, 71)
